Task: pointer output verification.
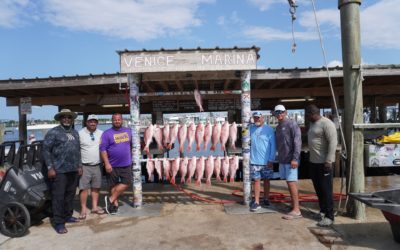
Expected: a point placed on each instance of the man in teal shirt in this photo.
(262, 155)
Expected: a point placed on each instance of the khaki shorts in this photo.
(91, 177)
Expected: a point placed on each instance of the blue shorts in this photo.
(287, 172)
(258, 172)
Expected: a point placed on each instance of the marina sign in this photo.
(188, 60)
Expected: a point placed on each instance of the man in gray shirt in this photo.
(322, 143)
(288, 141)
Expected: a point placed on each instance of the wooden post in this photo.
(22, 129)
(134, 81)
(246, 115)
(353, 102)
(2, 129)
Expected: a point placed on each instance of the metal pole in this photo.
(353, 102)
(134, 81)
(246, 114)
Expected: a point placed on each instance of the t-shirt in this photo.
(117, 144)
(61, 150)
(90, 143)
(322, 141)
(288, 141)
(262, 148)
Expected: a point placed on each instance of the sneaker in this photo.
(325, 222)
(113, 210)
(266, 203)
(319, 216)
(254, 207)
(108, 205)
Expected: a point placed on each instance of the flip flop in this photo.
(292, 216)
(82, 216)
(98, 211)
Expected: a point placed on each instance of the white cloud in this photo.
(11, 14)
(329, 17)
(139, 20)
(380, 25)
(335, 63)
(264, 5)
(270, 34)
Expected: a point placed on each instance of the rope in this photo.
(344, 149)
(292, 11)
(274, 197)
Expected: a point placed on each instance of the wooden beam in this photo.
(148, 87)
(179, 84)
(61, 82)
(164, 85)
(226, 84)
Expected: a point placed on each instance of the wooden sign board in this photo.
(188, 60)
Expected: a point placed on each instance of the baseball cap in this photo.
(92, 117)
(280, 108)
(257, 114)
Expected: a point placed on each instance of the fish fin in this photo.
(208, 182)
(225, 179)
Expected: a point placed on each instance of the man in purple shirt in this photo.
(116, 152)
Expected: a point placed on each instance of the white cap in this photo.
(92, 117)
(280, 108)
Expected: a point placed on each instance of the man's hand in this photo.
(294, 164)
(80, 171)
(270, 164)
(51, 173)
(108, 168)
(328, 166)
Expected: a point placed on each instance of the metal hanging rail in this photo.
(202, 92)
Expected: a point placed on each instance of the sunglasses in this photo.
(66, 117)
(92, 136)
(278, 112)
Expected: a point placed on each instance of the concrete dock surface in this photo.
(173, 219)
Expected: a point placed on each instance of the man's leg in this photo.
(83, 194)
(58, 185)
(72, 184)
(315, 177)
(294, 194)
(257, 191)
(95, 198)
(116, 191)
(327, 194)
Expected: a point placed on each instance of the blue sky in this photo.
(41, 38)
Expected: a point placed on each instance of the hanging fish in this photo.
(198, 99)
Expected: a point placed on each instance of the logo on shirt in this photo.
(70, 137)
(122, 137)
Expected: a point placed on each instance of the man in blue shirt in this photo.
(262, 155)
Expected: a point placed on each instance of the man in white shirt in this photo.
(91, 178)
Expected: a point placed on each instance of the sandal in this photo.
(82, 216)
(98, 211)
(60, 229)
(292, 216)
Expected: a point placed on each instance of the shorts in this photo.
(258, 172)
(91, 177)
(288, 173)
(120, 175)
